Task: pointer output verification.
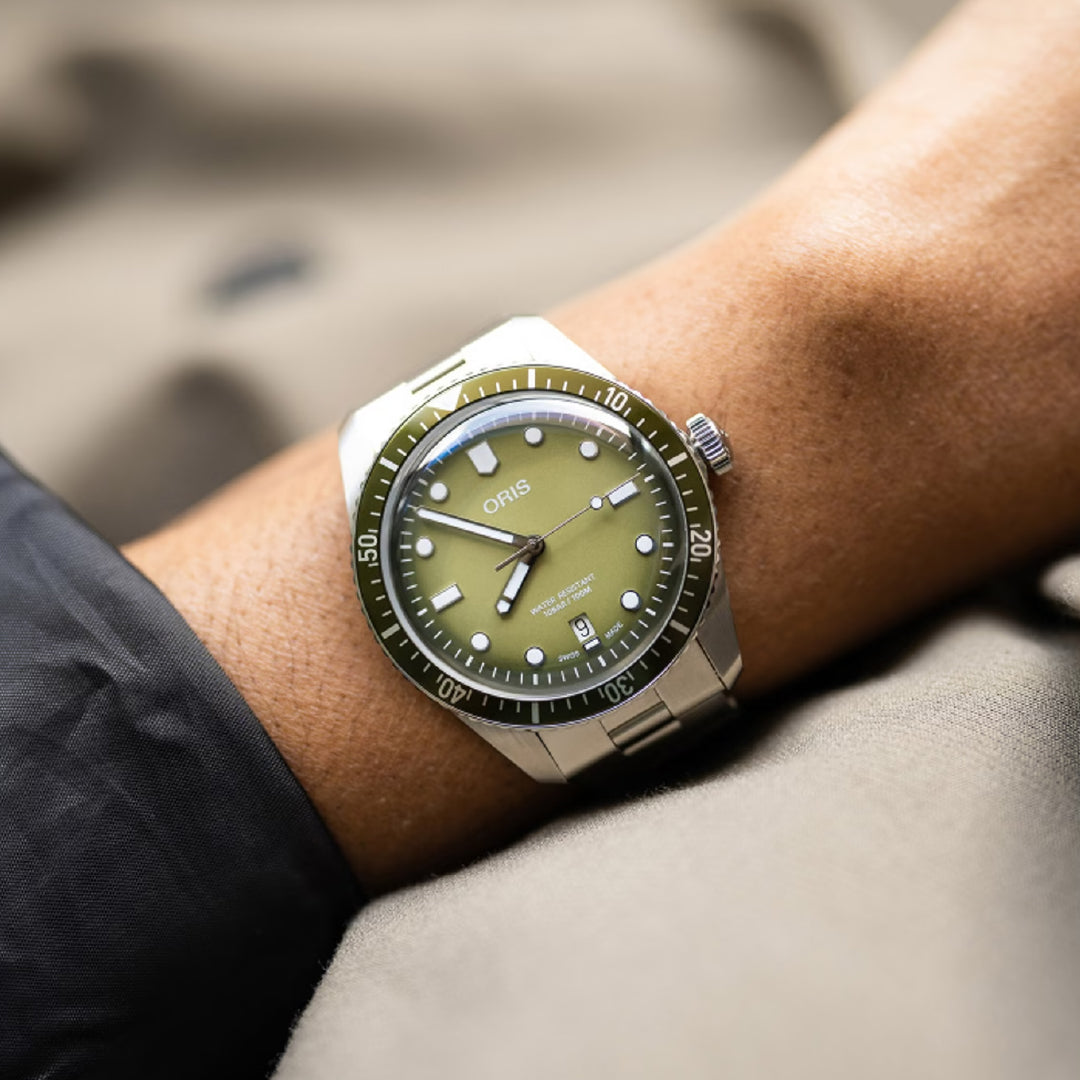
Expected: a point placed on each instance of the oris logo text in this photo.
(507, 495)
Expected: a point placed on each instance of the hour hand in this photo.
(514, 582)
(474, 528)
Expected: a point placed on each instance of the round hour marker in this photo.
(425, 547)
(480, 642)
(534, 436)
(439, 492)
(630, 600)
(645, 544)
(534, 656)
(588, 449)
(596, 502)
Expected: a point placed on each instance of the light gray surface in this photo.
(887, 885)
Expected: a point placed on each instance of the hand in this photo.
(517, 578)
(528, 547)
(595, 503)
(475, 528)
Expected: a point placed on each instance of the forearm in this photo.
(888, 338)
(891, 336)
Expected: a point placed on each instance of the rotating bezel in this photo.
(437, 415)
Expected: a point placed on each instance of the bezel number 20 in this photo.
(701, 544)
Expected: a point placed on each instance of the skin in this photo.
(891, 336)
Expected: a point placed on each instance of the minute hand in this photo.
(474, 528)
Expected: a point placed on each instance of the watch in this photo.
(534, 546)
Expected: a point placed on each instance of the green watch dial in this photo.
(537, 546)
(538, 555)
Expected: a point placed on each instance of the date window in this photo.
(585, 632)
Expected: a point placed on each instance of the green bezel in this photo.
(508, 710)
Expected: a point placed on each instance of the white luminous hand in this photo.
(514, 582)
(474, 528)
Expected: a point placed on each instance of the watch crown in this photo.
(710, 442)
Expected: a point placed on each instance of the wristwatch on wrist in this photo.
(534, 546)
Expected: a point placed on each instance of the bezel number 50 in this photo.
(367, 547)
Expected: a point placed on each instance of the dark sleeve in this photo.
(168, 896)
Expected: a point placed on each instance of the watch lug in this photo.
(690, 682)
(716, 633)
(524, 748)
(521, 340)
(363, 434)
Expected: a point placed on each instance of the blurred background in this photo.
(223, 223)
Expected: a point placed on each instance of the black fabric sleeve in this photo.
(168, 896)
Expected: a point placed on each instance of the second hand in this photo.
(590, 505)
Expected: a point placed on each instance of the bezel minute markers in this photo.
(590, 574)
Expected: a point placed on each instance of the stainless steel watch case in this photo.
(697, 684)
